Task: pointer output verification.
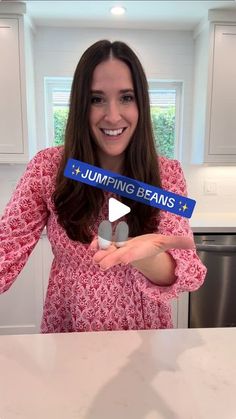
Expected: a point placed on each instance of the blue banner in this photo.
(129, 188)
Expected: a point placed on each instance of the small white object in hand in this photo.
(105, 234)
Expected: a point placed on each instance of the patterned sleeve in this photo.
(189, 270)
(22, 223)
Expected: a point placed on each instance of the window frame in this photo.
(154, 85)
(51, 84)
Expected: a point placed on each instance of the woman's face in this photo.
(113, 112)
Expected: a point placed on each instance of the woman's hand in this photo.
(137, 248)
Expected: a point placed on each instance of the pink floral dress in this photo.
(81, 297)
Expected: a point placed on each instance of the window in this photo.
(57, 94)
(165, 113)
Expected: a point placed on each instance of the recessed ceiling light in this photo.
(118, 10)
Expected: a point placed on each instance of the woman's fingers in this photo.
(114, 257)
(94, 244)
(138, 248)
(101, 254)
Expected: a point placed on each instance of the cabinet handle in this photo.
(5, 27)
(228, 33)
(216, 247)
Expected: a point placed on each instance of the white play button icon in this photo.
(116, 209)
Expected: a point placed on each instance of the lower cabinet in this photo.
(182, 303)
(174, 310)
(21, 307)
(47, 257)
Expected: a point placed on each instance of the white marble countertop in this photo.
(163, 374)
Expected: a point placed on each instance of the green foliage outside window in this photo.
(163, 121)
(60, 117)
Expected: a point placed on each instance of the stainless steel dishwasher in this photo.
(214, 304)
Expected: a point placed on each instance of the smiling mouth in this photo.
(113, 132)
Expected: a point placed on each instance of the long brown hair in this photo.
(77, 205)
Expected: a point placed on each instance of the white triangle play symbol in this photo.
(116, 209)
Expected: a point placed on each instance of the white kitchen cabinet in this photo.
(21, 305)
(221, 117)
(174, 308)
(13, 124)
(47, 261)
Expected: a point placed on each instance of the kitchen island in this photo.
(161, 374)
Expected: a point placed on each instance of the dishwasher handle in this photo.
(210, 247)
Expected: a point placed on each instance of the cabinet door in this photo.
(47, 261)
(11, 119)
(221, 144)
(179, 308)
(21, 306)
(174, 310)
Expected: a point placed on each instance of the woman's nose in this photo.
(112, 113)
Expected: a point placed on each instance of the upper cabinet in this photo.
(11, 98)
(214, 101)
(220, 144)
(13, 122)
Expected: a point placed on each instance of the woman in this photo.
(89, 289)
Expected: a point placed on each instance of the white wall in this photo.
(222, 205)
(9, 175)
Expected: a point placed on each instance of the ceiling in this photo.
(175, 15)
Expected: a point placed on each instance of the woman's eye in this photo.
(96, 100)
(127, 98)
